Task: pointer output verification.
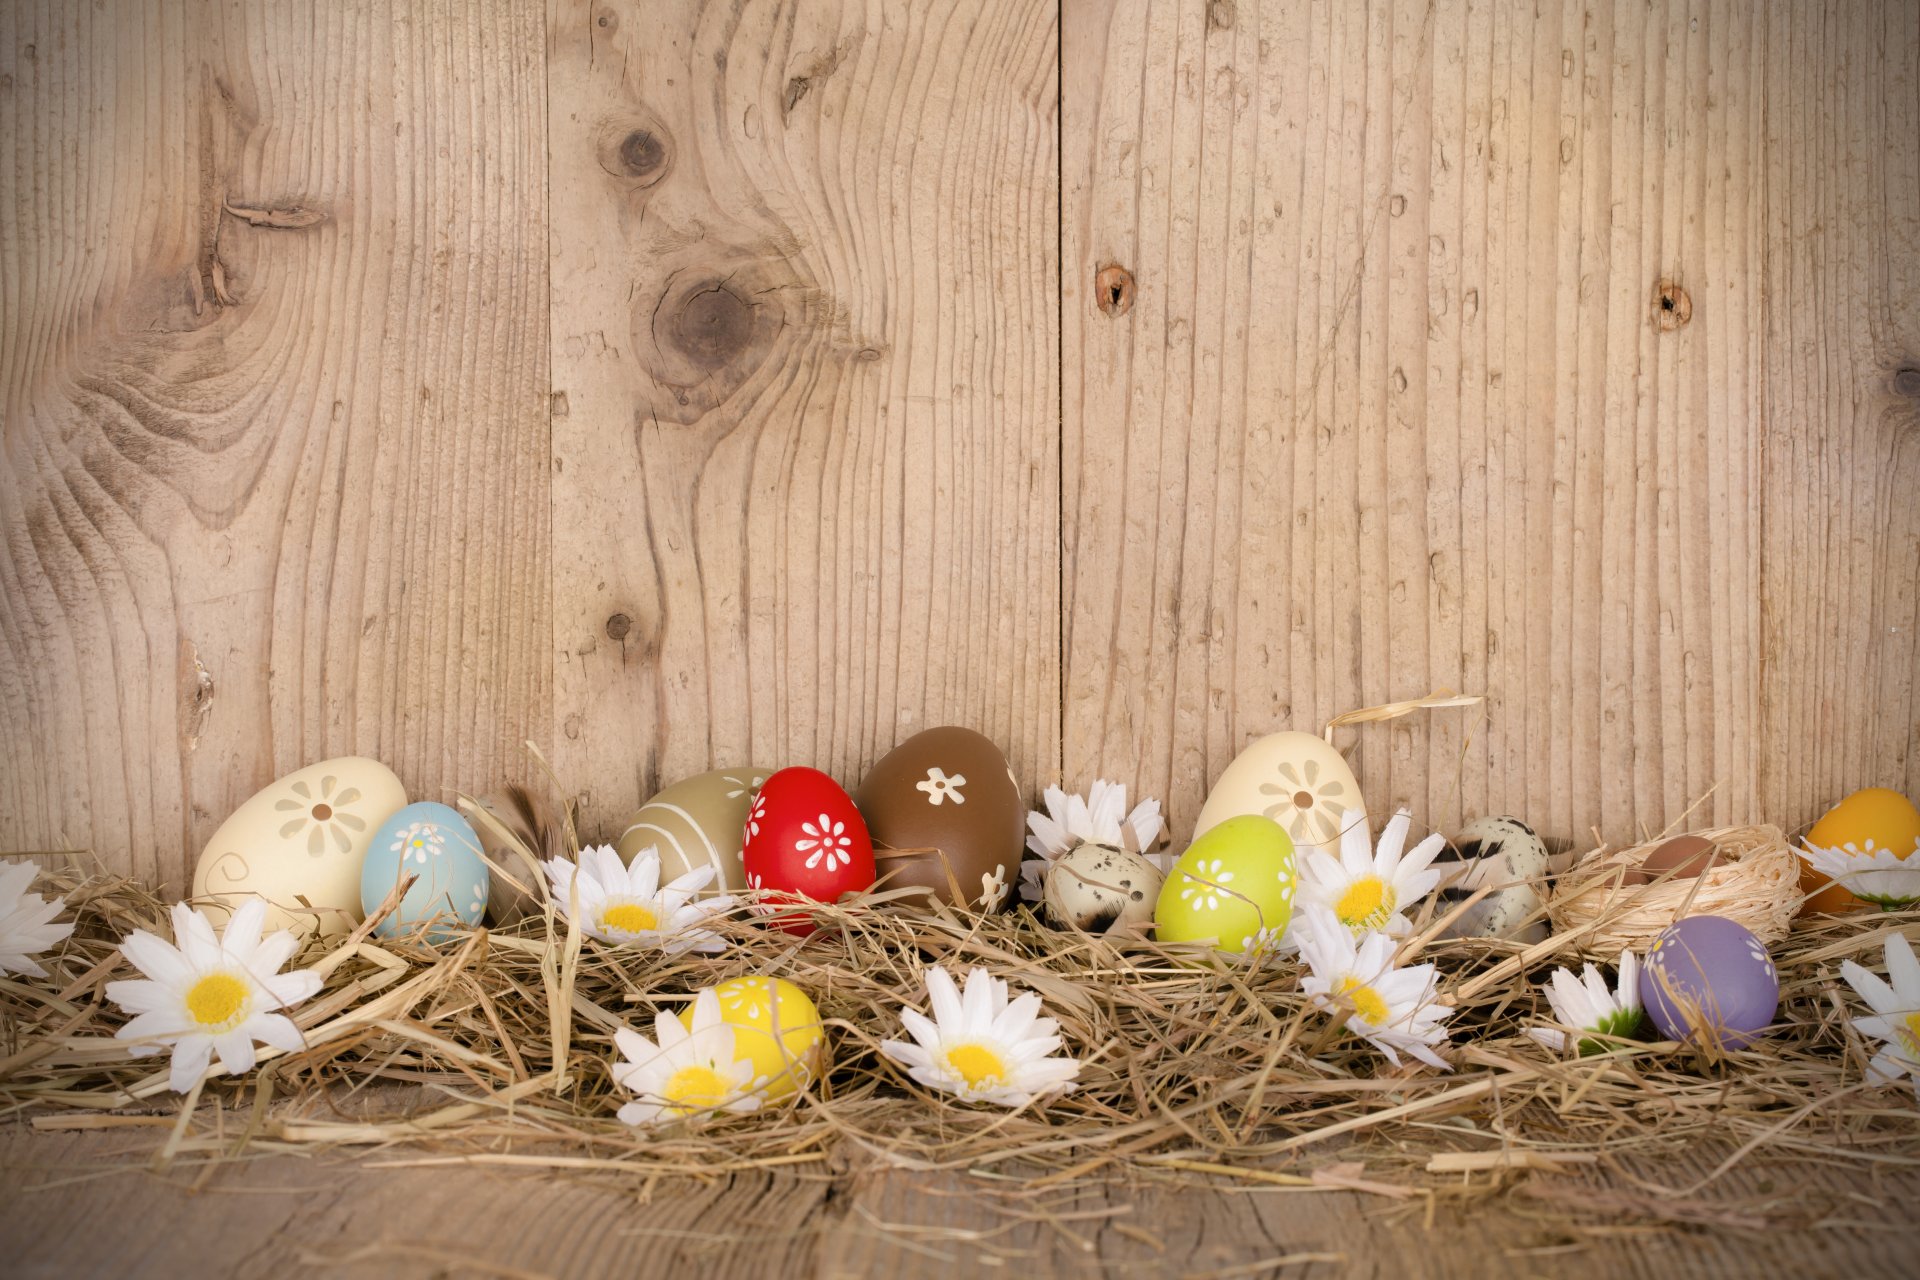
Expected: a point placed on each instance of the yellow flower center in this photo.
(1910, 1032)
(1366, 1001)
(1368, 903)
(696, 1089)
(976, 1064)
(629, 917)
(216, 999)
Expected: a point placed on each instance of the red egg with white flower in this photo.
(805, 837)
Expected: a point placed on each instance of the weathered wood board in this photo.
(84, 1204)
(1562, 352)
(683, 382)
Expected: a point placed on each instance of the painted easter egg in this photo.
(1233, 886)
(300, 841)
(1505, 853)
(1681, 858)
(1709, 980)
(804, 836)
(1886, 818)
(1100, 889)
(1296, 779)
(697, 822)
(776, 1025)
(946, 816)
(438, 847)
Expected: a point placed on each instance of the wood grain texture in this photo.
(1839, 187)
(273, 368)
(1405, 400)
(83, 1205)
(805, 385)
(683, 383)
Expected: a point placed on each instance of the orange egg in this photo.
(1885, 817)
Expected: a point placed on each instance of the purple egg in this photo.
(1709, 980)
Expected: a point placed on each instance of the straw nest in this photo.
(1754, 880)
(1194, 1064)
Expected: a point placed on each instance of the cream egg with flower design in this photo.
(1296, 779)
(1234, 887)
(299, 845)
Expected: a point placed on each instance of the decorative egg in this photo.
(1100, 889)
(946, 816)
(299, 844)
(1296, 779)
(804, 836)
(1681, 858)
(1708, 980)
(1505, 853)
(1233, 886)
(776, 1025)
(697, 822)
(1886, 818)
(436, 845)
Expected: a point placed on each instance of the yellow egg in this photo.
(776, 1025)
(1886, 818)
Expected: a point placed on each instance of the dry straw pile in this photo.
(1754, 881)
(1193, 1063)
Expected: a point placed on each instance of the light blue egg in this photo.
(434, 843)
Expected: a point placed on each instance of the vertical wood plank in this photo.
(1398, 405)
(805, 384)
(272, 382)
(1839, 404)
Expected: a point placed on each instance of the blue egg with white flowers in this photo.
(434, 844)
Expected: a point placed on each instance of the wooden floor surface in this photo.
(74, 1205)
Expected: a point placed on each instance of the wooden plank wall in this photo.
(684, 382)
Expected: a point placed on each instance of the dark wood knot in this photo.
(1672, 306)
(1113, 289)
(618, 627)
(1906, 382)
(710, 326)
(638, 151)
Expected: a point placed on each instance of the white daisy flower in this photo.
(1876, 875)
(24, 928)
(687, 1072)
(1584, 1005)
(981, 1047)
(1393, 1008)
(625, 905)
(1368, 889)
(1100, 818)
(205, 995)
(1896, 1012)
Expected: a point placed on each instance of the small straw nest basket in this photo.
(1754, 880)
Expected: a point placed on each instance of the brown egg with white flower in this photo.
(946, 817)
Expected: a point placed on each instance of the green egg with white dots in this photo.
(1233, 887)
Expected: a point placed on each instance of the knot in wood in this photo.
(1113, 289)
(1220, 15)
(643, 156)
(618, 626)
(712, 325)
(1907, 382)
(635, 148)
(1672, 306)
